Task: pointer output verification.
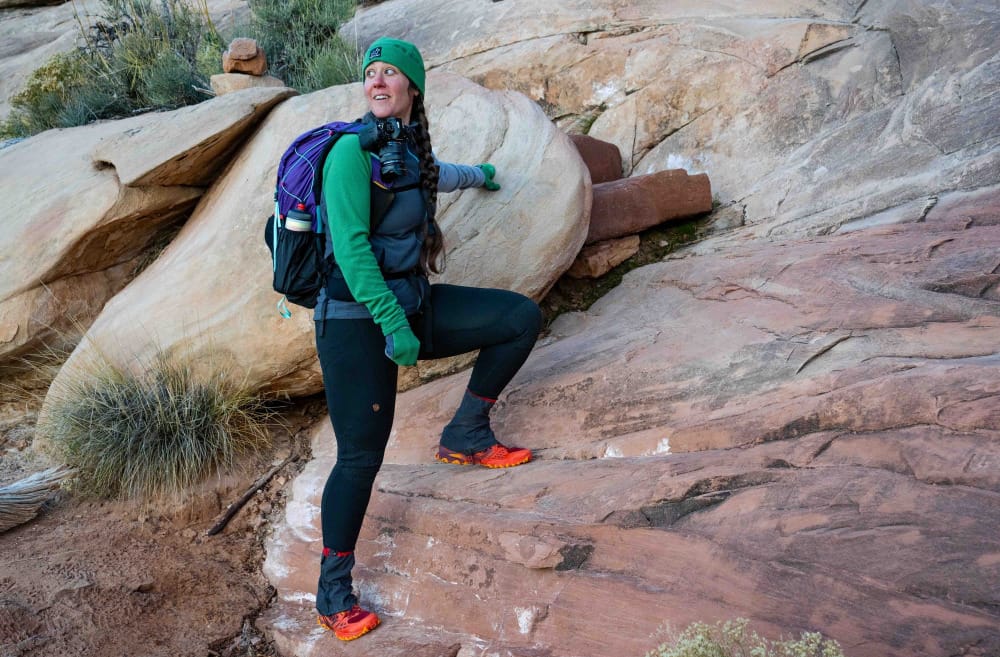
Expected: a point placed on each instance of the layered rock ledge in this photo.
(802, 432)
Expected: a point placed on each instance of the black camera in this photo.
(387, 137)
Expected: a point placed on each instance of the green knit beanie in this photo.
(401, 54)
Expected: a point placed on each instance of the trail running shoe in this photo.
(496, 456)
(350, 624)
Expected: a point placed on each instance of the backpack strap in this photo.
(317, 189)
(381, 199)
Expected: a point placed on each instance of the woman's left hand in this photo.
(489, 171)
(402, 346)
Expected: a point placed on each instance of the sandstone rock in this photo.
(208, 298)
(854, 373)
(56, 315)
(844, 111)
(428, 370)
(117, 186)
(228, 16)
(497, 25)
(243, 49)
(596, 260)
(227, 83)
(603, 160)
(201, 139)
(244, 56)
(631, 205)
(70, 224)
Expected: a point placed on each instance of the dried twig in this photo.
(235, 507)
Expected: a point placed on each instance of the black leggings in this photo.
(360, 383)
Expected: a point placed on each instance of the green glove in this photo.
(489, 171)
(402, 346)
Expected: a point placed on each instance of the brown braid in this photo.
(433, 247)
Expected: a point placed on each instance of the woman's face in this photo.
(388, 91)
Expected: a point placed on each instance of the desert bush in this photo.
(146, 55)
(735, 639)
(38, 106)
(138, 55)
(160, 431)
(299, 38)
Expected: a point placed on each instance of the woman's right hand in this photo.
(402, 346)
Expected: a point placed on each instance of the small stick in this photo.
(234, 508)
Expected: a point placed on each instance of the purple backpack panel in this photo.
(301, 167)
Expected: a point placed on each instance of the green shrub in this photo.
(157, 432)
(152, 52)
(333, 64)
(735, 639)
(139, 55)
(39, 105)
(299, 38)
(144, 55)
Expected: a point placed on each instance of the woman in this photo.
(379, 311)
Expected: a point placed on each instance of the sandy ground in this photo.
(100, 578)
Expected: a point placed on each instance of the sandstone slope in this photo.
(793, 421)
(803, 433)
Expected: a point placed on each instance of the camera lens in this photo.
(393, 157)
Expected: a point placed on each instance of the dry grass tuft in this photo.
(158, 432)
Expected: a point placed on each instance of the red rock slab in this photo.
(631, 205)
(596, 260)
(821, 533)
(603, 159)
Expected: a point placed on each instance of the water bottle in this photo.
(298, 219)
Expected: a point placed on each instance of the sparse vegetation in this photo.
(300, 40)
(149, 55)
(158, 432)
(735, 639)
(40, 105)
(573, 295)
(138, 55)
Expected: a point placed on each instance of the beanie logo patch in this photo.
(375, 52)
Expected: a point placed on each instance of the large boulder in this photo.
(804, 433)
(208, 300)
(116, 186)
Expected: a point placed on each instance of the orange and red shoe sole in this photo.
(457, 458)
